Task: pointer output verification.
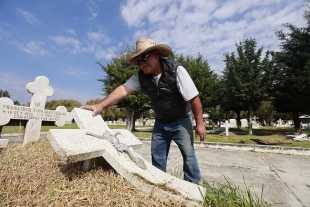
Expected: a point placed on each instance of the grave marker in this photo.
(75, 145)
(233, 122)
(227, 128)
(40, 89)
(244, 123)
(3, 143)
(35, 114)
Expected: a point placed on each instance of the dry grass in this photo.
(34, 176)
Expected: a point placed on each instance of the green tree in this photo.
(4, 93)
(266, 111)
(227, 94)
(244, 78)
(291, 76)
(205, 80)
(118, 72)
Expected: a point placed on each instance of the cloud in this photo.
(107, 53)
(92, 13)
(92, 5)
(98, 37)
(95, 43)
(71, 31)
(28, 16)
(211, 27)
(34, 48)
(76, 72)
(4, 34)
(73, 43)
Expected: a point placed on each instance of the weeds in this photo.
(176, 172)
(230, 195)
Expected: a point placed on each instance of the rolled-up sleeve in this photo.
(185, 84)
(133, 83)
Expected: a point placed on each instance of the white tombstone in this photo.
(244, 123)
(233, 122)
(36, 113)
(255, 125)
(280, 123)
(75, 145)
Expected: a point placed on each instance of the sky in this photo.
(63, 39)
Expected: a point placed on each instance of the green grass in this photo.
(20, 129)
(270, 134)
(229, 195)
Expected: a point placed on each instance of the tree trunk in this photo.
(296, 121)
(238, 119)
(130, 117)
(250, 120)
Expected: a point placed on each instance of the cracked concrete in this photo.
(285, 178)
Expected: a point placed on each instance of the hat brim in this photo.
(163, 49)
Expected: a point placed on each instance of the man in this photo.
(173, 96)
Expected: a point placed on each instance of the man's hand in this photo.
(96, 108)
(201, 132)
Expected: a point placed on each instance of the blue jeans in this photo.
(181, 132)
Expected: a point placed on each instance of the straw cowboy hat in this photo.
(144, 45)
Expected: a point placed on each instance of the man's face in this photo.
(148, 62)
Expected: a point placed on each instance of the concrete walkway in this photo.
(285, 178)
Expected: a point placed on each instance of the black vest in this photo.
(166, 101)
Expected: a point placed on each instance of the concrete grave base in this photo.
(3, 143)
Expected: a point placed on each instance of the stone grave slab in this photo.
(75, 145)
(3, 143)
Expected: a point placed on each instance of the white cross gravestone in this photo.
(227, 128)
(72, 145)
(36, 113)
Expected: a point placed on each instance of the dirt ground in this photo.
(34, 176)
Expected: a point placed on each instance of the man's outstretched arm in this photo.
(113, 98)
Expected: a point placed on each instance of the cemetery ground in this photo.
(34, 176)
(29, 179)
(273, 135)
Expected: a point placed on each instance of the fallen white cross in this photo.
(73, 145)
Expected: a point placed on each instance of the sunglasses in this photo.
(142, 58)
